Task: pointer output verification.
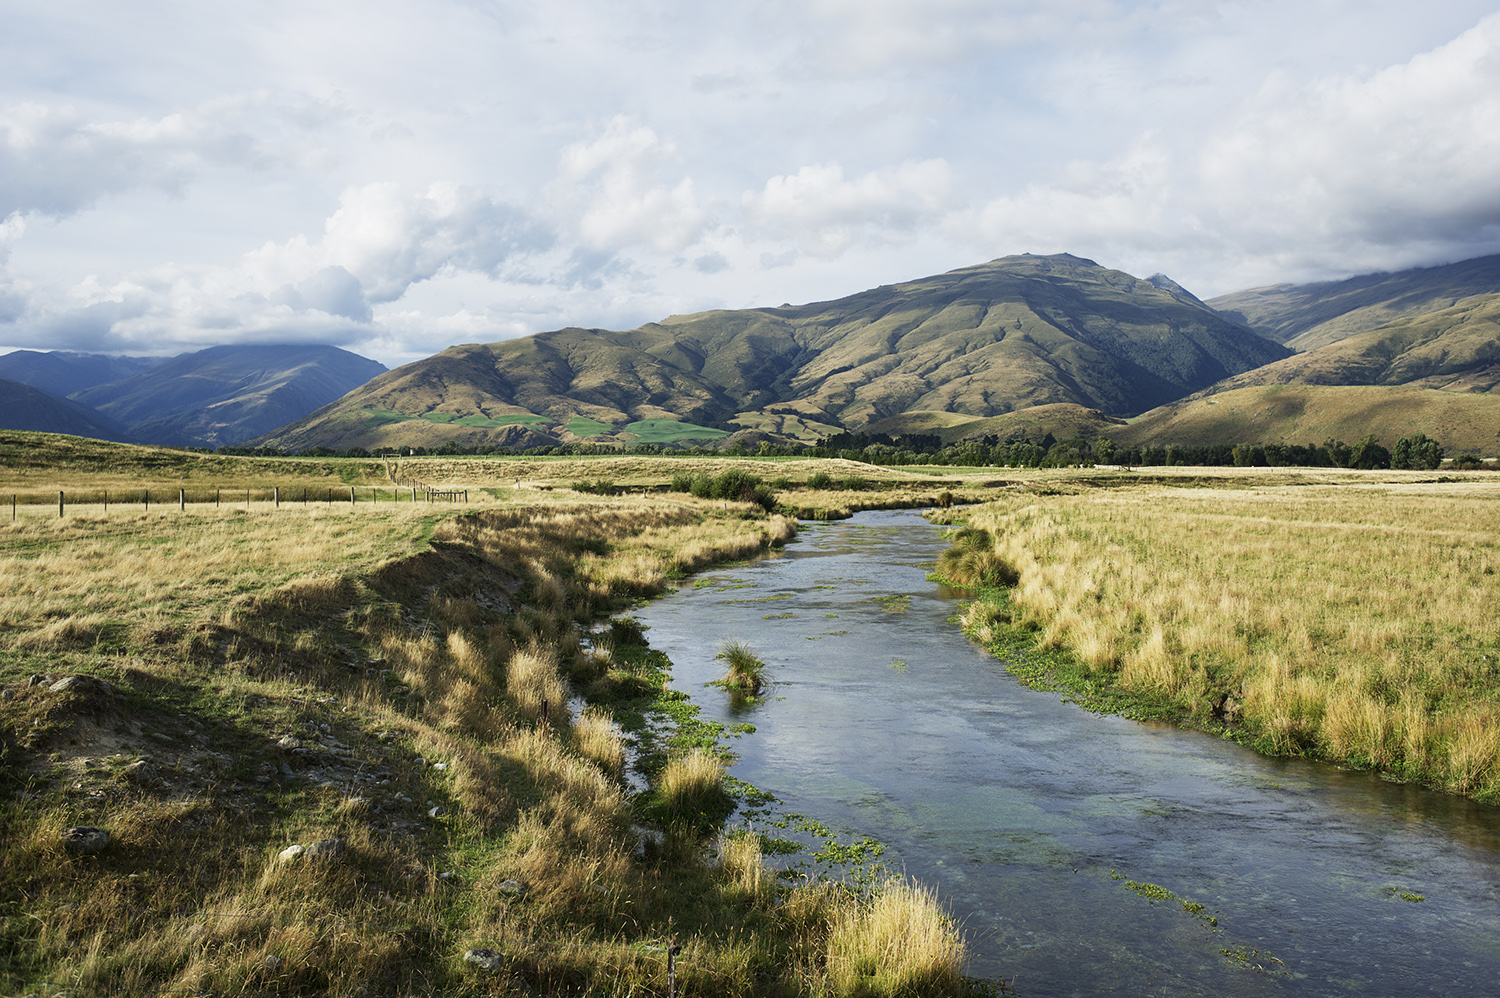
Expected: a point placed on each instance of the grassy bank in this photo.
(1357, 622)
(392, 689)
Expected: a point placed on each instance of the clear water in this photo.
(1030, 815)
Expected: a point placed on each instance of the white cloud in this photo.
(388, 239)
(53, 161)
(612, 190)
(825, 213)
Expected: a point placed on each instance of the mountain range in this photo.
(215, 397)
(1018, 347)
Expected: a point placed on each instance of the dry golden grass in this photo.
(413, 679)
(1358, 623)
(899, 942)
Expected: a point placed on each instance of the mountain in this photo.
(226, 395)
(1456, 349)
(62, 372)
(1308, 316)
(981, 341)
(23, 407)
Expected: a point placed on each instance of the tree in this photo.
(1368, 455)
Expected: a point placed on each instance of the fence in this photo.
(275, 496)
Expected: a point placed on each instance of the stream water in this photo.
(1033, 817)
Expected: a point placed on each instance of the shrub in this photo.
(819, 480)
(854, 483)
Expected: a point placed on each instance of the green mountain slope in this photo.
(1308, 316)
(980, 341)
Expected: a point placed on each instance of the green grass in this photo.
(667, 431)
(385, 417)
(582, 426)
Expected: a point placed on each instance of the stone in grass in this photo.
(82, 838)
(485, 959)
(142, 773)
(511, 889)
(321, 849)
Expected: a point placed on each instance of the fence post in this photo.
(106, 500)
(12, 507)
(351, 495)
(146, 499)
(59, 504)
(672, 950)
(182, 499)
(216, 498)
(276, 495)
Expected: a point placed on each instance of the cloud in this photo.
(611, 189)
(387, 239)
(1352, 173)
(55, 162)
(826, 213)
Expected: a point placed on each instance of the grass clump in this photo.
(973, 563)
(897, 942)
(745, 672)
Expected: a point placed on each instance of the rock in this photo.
(7, 694)
(437, 812)
(290, 853)
(86, 685)
(327, 849)
(485, 959)
(289, 743)
(84, 839)
(440, 766)
(273, 962)
(142, 773)
(37, 679)
(512, 888)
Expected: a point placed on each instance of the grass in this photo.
(1272, 613)
(403, 677)
(745, 673)
(665, 431)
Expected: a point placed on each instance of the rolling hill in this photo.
(981, 341)
(1311, 414)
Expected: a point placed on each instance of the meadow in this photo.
(429, 702)
(1354, 618)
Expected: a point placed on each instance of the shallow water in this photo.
(1030, 815)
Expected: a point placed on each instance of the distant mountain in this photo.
(1307, 316)
(980, 341)
(1455, 349)
(226, 395)
(23, 407)
(63, 372)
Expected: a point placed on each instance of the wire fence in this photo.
(59, 503)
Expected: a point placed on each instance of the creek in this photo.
(1045, 827)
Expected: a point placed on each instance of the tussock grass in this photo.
(1357, 624)
(746, 672)
(898, 942)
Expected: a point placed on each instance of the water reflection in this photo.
(1034, 817)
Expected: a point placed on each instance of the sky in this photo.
(397, 177)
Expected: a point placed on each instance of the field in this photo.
(1353, 619)
(395, 689)
(337, 750)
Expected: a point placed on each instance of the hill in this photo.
(23, 407)
(979, 341)
(226, 395)
(1311, 414)
(1308, 316)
